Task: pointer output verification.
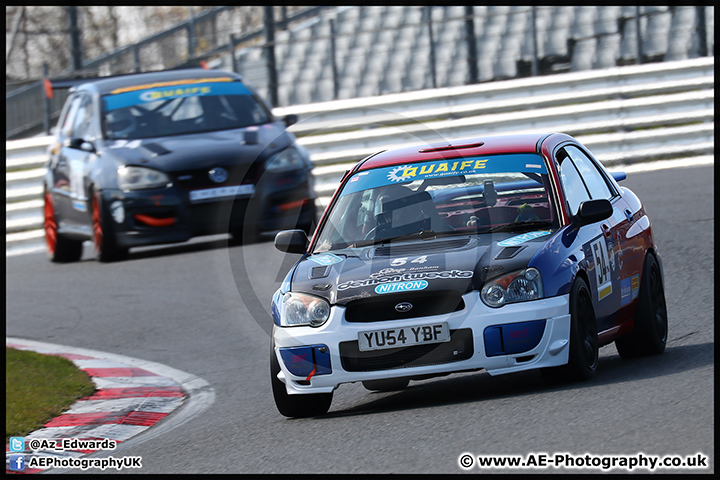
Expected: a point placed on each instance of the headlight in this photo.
(301, 309)
(288, 159)
(519, 286)
(136, 178)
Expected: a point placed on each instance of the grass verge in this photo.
(38, 388)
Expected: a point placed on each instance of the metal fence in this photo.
(208, 35)
(328, 53)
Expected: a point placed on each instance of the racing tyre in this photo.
(583, 356)
(296, 406)
(649, 334)
(106, 248)
(389, 385)
(59, 248)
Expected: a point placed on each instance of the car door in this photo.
(602, 242)
(71, 168)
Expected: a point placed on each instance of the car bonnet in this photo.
(458, 264)
(202, 150)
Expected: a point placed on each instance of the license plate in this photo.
(197, 196)
(403, 336)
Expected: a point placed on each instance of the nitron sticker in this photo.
(525, 237)
(401, 287)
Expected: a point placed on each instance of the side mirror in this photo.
(290, 119)
(593, 211)
(79, 144)
(292, 241)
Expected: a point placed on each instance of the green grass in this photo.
(39, 388)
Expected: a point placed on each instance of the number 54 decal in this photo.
(602, 268)
(403, 260)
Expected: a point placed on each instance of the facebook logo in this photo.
(17, 462)
(17, 444)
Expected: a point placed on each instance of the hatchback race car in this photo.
(500, 254)
(162, 157)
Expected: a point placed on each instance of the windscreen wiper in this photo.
(518, 226)
(422, 234)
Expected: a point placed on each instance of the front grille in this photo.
(424, 304)
(460, 347)
(199, 178)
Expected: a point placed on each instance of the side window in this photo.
(575, 190)
(68, 121)
(83, 118)
(594, 180)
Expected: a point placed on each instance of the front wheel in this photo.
(106, 248)
(649, 334)
(584, 350)
(296, 406)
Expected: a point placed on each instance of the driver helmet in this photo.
(121, 123)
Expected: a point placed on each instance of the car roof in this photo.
(110, 84)
(468, 147)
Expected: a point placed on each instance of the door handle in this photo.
(629, 215)
(606, 230)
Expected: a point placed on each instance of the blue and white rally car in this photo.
(499, 254)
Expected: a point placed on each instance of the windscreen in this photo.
(180, 108)
(442, 197)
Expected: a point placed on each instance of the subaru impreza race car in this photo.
(500, 254)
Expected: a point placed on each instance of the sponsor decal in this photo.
(326, 258)
(525, 237)
(602, 267)
(435, 169)
(629, 289)
(405, 277)
(444, 168)
(154, 93)
(402, 287)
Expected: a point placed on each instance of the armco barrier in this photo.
(624, 115)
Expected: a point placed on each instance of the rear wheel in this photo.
(649, 334)
(584, 350)
(59, 248)
(389, 385)
(296, 406)
(106, 248)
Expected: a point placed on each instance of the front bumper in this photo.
(167, 215)
(475, 325)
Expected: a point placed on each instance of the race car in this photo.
(162, 157)
(499, 254)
